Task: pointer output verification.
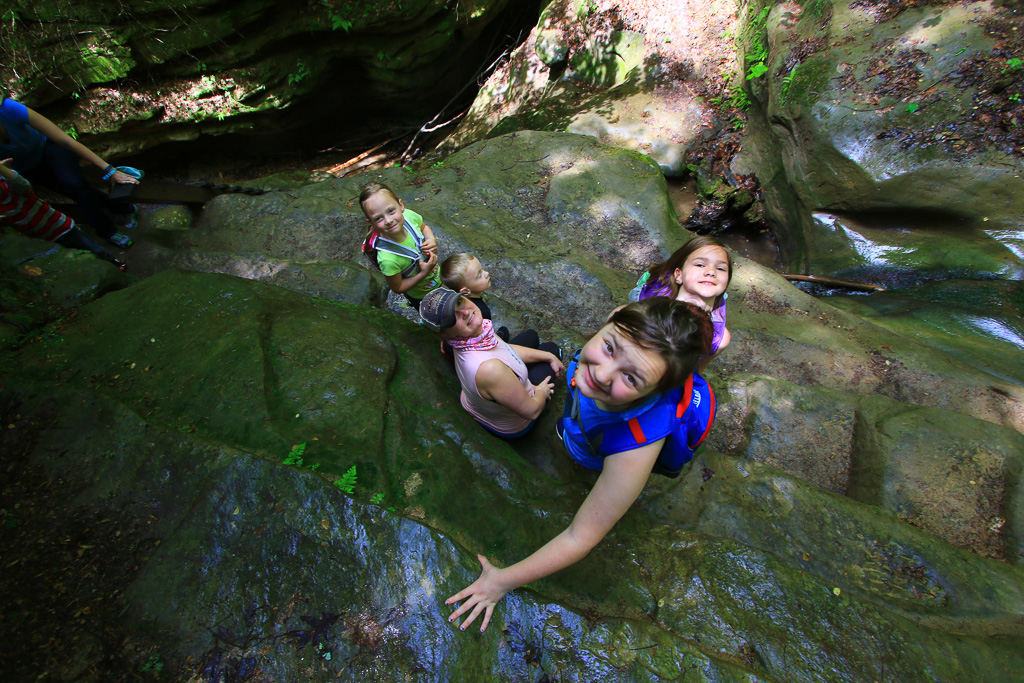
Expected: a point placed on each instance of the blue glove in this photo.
(110, 170)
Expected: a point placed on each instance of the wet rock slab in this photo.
(170, 429)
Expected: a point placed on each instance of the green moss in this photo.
(610, 64)
(807, 81)
(99, 62)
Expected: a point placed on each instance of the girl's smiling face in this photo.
(617, 372)
(386, 213)
(704, 274)
(468, 321)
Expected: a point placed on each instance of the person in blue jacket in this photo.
(48, 156)
(635, 406)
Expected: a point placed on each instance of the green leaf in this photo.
(757, 70)
(295, 455)
(912, 107)
(347, 483)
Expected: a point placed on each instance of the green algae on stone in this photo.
(780, 423)
(943, 472)
(976, 321)
(709, 567)
(848, 544)
(174, 217)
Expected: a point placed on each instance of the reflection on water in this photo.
(753, 242)
(996, 329)
(873, 253)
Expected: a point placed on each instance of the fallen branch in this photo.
(356, 159)
(834, 282)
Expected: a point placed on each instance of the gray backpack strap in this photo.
(574, 411)
(395, 248)
(417, 236)
(384, 244)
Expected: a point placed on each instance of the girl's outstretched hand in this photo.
(122, 178)
(480, 596)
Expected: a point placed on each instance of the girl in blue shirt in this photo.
(647, 348)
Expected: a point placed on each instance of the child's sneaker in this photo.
(121, 241)
(129, 220)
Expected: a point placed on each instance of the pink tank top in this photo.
(493, 414)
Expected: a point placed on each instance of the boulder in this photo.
(261, 481)
(564, 224)
(630, 76)
(886, 138)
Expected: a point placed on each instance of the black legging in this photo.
(538, 372)
(59, 170)
(76, 239)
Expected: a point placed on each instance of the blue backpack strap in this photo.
(694, 414)
(609, 439)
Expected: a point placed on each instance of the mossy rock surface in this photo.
(191, 390)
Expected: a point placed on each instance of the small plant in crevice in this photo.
(757, 70)
(347, 483)
(300, 73)
(153, 664)
(757, 52)
(787, 83)
(1013, 64)
(587, 8)
(295, 455)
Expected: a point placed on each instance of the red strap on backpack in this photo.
(685, 397)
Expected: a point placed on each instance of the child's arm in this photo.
(529, 355)
(496, 382)
(621, 481)
(50, 130)
(429, 245)
(400, 285)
